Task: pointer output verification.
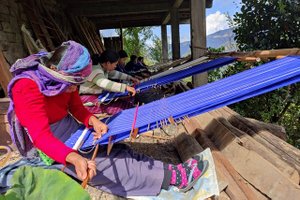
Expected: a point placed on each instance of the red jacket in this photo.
(36, 111)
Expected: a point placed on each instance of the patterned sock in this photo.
(181, 172)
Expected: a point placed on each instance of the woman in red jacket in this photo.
(43, 114)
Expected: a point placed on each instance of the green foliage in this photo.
(156, 50)
(134, 39)
(38, 183)
(135, 44)
(268, 24)
(216, 74)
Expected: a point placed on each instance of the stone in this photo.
(2, 36)
(4, 45)
(14, 25)
(13, 7)
(4, 2)
(6, 27)
(18, 38)
(14, 52)
(4, 10)
(9, 57)
(4, 17)
(10, 37)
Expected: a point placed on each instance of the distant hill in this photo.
(222, 38)
(218, 39)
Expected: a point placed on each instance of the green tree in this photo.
(155, 51)
(217, 73)
(135, 38)
(270, 24)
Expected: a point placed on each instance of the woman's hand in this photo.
(82, 165)
(99, 127)
(131, 90)
(135, 81)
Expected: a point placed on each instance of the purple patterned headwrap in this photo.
(74, 66)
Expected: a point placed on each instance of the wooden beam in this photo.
(261, 53)
(177, 4)
(121, 18)
(139, 23)
(133, 21)
(164, 39)
(175, 33)
(122, 8)
(198, 37)
(98, 2)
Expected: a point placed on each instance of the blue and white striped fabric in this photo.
(238, 87)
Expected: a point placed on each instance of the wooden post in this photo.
(198, 36)
(164, 39)
(175, 33)
(121, 37)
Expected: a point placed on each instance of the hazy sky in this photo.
(215, 20)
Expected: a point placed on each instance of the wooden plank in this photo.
(87, 32)
(275, 129)
(3, 119)
(223, 196)
(6, 76)
(251, 144)
(287, 152)
(5, 139)
(79, 24)
(209, 123)
(31, 45)
(237, 188)
(185, 144)
(191, 126)
(60, 34)
(37, 24)
(258, 171)
(96, 36)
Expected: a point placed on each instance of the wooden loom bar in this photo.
(279, 53)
